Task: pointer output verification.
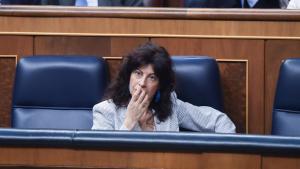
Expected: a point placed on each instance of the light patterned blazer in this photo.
(106, 116)
(294, 4)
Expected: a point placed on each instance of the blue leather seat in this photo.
(198, 81)
(286, 109)
(57, 92)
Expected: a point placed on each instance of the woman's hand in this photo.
(147, 121)
(137, 106)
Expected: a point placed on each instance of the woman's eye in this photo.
(138, 73)
(153, 78)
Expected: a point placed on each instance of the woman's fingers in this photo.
(139, 102)
(145, 102)
(136, 94)
(141, 96)
(147, 115)
(144, 116)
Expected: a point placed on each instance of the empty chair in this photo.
(286, 109)
(198, 81)
(57, 92)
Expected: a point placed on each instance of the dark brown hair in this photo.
(145, 54)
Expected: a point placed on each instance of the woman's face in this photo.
(145, 78)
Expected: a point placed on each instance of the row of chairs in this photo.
(58, 92)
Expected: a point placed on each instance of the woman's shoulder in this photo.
(180, 106)
(106, 104)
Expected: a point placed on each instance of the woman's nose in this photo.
(142, 82)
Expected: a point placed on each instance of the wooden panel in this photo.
(276, 51)
(159, 13)
(83, 45)
(7, 71)
(250, 50)
(269, 162)
(15, 46)
(121, 46)
(148, 27)
(98, 46)
(59, 157)
(233, 81)
(72, 45)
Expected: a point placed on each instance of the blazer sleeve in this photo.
(201, 118)
(292, 5)
(103, 116)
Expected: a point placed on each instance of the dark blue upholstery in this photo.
(286, 110)
(57, 91)
(150, 141)
(198, 81)
(36, 137)
(186, 141)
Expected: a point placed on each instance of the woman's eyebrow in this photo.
(152, 74)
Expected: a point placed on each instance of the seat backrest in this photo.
(198, 81)
(286, 108)
(57, 92)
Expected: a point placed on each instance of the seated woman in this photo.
(142, 98)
